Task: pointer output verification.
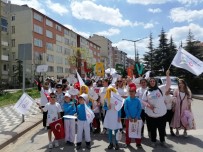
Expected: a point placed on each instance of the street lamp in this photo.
(134, 41)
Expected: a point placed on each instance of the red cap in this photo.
(132, 87)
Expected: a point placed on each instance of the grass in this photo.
(12, 98)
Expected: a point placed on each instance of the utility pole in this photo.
(0, 47)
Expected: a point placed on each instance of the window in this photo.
(58, 38)
(38, 42)
(66, 62)
(49, 23)
(38, 29)
(66, 70)
(4, 24)
(59, 59)
(66, 32)
(13, 18)
(50, 58)
(49, 46)
(5, 67)
(59, 69)
(49, 34)
(13, 41)
(13, 29)
(38, 57)
(58, 27)
(67, 51)
(50, 69)
(37, 17)
(59, 48)
(66, 41)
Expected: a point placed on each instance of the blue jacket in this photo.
(132, 107)
(81, 112)
(105, 107)
(69, 108)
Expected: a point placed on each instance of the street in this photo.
(36, 140)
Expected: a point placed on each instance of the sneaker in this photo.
(78, 147)
(116, 147)
(88, 147)
(138, 145)
(56, 144)
(50, 145)
(177, 132)
(164, 144)
(185, 133)
(110, 146)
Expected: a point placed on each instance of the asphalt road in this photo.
(36, 140)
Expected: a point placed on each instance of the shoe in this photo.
(88, 147)
(71, 143)
(110, 146)
(164, 144)
(68, 142)
(138, 145)
(185, 133)
(116, 147)
(177, 132)
(56, 144)
(50, 145)
(172, 133)
(78, 147)
(153, 144)
(104, 131)
(126, 145)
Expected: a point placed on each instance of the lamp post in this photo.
(134, 41)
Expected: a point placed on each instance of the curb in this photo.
(197, 97)
(20, 133)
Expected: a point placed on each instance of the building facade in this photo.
(119, 57)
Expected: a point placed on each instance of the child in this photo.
(53, 114)
(69, 124)
(112, 120)
(96, 121)
(82, 122)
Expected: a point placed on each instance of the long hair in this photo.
(86, 89)
(108, 93)
(186, 89)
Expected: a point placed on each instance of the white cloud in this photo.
(36, 4)
(57, 7)
(91, 11)
(148, 25)
(180, 33)
(181, 14)
(85, 34)
(190, 2)
(155, 10)
(147, 2)
(109, 32)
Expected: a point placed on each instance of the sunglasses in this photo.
(53, 97)
(119, 81)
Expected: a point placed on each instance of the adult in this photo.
(156, 108)
(183, 97)
(60, 97)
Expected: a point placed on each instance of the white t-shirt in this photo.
(169, 101)
(43, 99)
(139, 93)
(122, 91)
(156, 99)
(53, 110)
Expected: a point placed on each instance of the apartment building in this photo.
(119, 57)
(50, 43)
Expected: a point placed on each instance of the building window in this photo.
(49, 46)
(38, 57)
(49, 34)
(66, 70)
(58, 27)
(50, 58)
(50, 69)
(49, 23)
(38, 29)
(59, 60)
(59, 69)
(67, 51)
(66, 41)
(38, 42)
(13, 18)
(59, 48)
(37, 17)
(5, 67)
(13, 29)
(13, 42)
(58, 38)
(66, 32)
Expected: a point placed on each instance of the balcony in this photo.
(4, 57)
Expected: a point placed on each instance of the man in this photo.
(132, 107)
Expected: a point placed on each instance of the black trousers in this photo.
(169, 116)
(44, 119)
(157, 123)
(144, 118)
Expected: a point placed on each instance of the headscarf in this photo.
(86, 89)
(153, 88)
(108, 93)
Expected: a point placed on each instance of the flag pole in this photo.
(169, 67)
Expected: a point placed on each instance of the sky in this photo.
(126, 19)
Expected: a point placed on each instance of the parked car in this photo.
(161, 80)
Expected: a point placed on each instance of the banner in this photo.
(99, 69)
(24, 103)
(89, 114)
(187, 61)
(42, 68)
(135, 129)
(58, 129)
(80, 79)
(117, 100)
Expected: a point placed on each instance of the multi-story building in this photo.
(119, 57)
(50, 43)
(130, 62)
(106, 49)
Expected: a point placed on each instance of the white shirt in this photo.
(102, 93)
(156, 99)
(53, 110)
(122, 91)
(139, 93)
(169, 101)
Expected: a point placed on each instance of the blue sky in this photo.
(126, 19)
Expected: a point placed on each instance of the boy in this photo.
(69, 124)
(82, 122)
(53, 113)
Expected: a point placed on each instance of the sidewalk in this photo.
(197, 96)
(11, 126)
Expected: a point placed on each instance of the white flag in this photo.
(24, 103)
(42, 68)
(80, 79)
(117, 100)
(187, 61)
(89, 114)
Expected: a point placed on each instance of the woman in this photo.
(156, 108)
(183, 98)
